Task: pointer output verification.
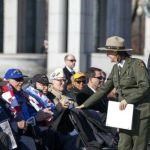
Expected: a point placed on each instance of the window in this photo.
(101, 23)
(32, 25)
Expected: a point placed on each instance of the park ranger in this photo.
(130, 78)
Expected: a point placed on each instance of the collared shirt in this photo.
(70, 70)
(92, 89)
(120, 64)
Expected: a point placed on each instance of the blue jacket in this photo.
(27, 110)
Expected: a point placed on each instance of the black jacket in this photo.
(85, 93)
(68, 74)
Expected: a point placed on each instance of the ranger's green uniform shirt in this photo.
(132, 84)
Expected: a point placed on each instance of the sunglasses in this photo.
(81, 81)
(19, 79)
(72, 60)
(100, 78)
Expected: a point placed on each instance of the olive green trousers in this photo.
(136, 139)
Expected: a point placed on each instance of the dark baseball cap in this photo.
(41, 78)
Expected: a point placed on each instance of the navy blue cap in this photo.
(13, 74)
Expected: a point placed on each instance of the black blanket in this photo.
(90, 125)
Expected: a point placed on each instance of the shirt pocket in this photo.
(130, 80)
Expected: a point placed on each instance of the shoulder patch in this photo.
(141, 63)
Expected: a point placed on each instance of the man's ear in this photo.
(89, 79)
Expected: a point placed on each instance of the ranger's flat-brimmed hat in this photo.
(115, 43)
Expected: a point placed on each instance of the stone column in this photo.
(1, 25)
(57, 29)
(147, 38)
(80, 30)
(119, 19)
(10, 26)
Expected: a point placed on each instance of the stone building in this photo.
(69, 26)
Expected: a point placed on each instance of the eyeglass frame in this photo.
(79, 81)
(72, 60)
(60, 80)
(19, 79)
(100, 78)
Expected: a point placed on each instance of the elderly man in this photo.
(70, 62)
(60, 97)
(37, 89)
(40, 82)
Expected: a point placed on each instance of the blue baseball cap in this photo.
(13, 74)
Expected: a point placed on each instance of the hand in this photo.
(65, 103)
(44, 115)
(46, 110)
(81, 106)
(22, 124)
(123, 104)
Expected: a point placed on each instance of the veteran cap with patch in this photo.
(57, 74)
(41, 78)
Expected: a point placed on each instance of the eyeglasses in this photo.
(61, 80)
(72, 60)
(19, 79)
(100, 78)
(81, 81)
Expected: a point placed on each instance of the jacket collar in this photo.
(125, 66)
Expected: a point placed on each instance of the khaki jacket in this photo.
(60, 96)
(132, 84)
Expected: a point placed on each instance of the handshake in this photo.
(66, 103)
